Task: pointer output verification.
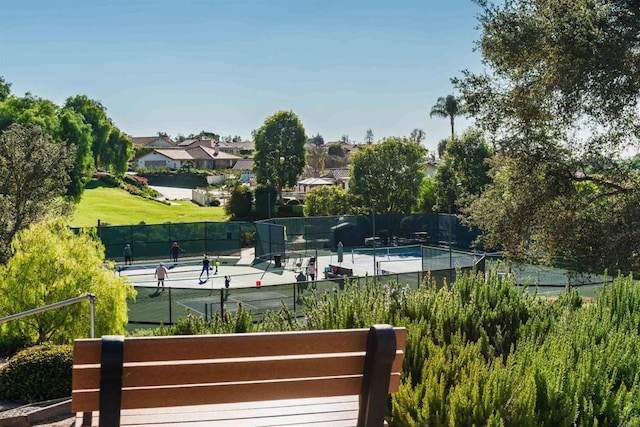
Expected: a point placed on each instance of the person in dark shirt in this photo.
(205, 266)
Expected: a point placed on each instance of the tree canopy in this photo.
(279, 150)
(5, 89)
(316, 140)
(387, 174)
(81, 124)
(34, 170)
(327, 200)
(111, 148)
(560, 114)
(51, 263)
(368, 137)
(447, 107)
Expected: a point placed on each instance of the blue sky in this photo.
(224, 66)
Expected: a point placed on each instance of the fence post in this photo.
(92, 311)
(295, 299)
(170, 316)
(222, 304)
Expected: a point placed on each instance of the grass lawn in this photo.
(117, 207)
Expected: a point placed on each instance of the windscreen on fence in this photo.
(270, 240)
(356, 231)
(153, 241)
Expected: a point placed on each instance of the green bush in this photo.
(11, 341)
(38, 373)
(240, 202)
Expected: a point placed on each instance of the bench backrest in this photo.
(207, 369)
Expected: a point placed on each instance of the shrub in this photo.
(11, 342)
(214, 202)
(247, 239)
(38, 373)
(240, 202)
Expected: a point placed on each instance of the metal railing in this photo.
(70, 301)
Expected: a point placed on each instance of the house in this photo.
(336, 176)
(199, 141)
(152, 141)
(201, 156)
(170, 157)
(207, 157)
(245, 168)
(340, 176)
(241, 148)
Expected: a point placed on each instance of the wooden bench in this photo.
(328, 378)
(336, 271)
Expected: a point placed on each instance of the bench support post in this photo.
(381, 351)
(111, 380)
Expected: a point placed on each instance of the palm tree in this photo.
(447, 107)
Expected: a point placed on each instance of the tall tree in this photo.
(368, 137)
(5, 89)
(34, 169)
(63, 125)
(387, 174)
(560, 114)
(316, 160)
(447, 107)
(111, 148)
(417, 135)
(317, 140)
(51, 263)
(463, 170)
(279, 151)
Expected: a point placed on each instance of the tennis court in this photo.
(261, 286)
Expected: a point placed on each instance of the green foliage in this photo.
(463, 171)
(426, 196)
(316, 140)
(280, 156)
(327, 200)
(50, 264)
(11, 344)
(240, 202)
(5, 89)
(447, 107)
(239, 321)
(387, 174)
(469, 155)
(335, 150)
(247, 239)
(560, 113)
(112, 149)
(489, 353)
(71, 126)
(38, 373)
(34, 170)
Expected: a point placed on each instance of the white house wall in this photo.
(154, 158)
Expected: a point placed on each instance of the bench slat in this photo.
(218, 371)
(335, 412)
(139, 349)
(86, 401)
